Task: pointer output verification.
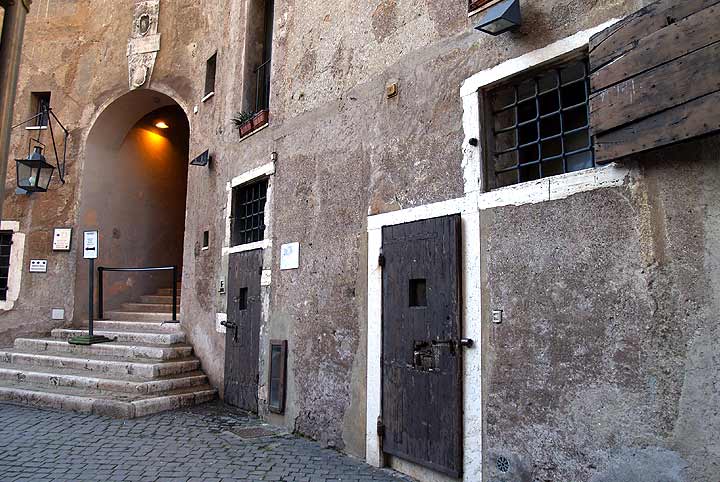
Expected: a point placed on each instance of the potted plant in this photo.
(260, 119)
(243, 121)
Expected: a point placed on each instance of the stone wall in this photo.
(344, 151)
(603, 368)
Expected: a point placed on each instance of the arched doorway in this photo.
(133, 191)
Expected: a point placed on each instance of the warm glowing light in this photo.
(162, 125)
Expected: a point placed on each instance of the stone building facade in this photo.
(603, 367)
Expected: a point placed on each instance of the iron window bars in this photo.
(541, 125)
(5, 248)
(248, 213)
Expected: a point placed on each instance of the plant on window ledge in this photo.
(243, 121)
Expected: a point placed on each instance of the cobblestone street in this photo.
(207, 443)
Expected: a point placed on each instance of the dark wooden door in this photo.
(422, 390)
(242, 338)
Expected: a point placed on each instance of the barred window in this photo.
(540, 126)
(5, 248)
(248, 213)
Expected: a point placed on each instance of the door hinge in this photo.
(380, 427)
(381, 259)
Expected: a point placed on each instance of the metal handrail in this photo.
(102, 269)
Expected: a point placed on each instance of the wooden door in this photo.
(422, 352)
(242, 338)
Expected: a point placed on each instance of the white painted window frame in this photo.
(469, 207)
(17, 254)
(264, 171)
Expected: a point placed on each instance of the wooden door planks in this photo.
(654, 78)
(623, 36)
(679, 39)
(698, 117)
(671, 84)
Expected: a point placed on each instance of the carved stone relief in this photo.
(144, 42)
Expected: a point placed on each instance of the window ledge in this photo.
(208, 97)
(264, 244)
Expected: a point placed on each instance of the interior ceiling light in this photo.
(162, 125)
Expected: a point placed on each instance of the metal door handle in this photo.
(467, 342)
(229, 324)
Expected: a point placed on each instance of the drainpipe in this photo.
(13, 29)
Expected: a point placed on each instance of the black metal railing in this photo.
(103, 269)
(262, 86)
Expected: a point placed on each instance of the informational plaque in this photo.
(290, 256)
(61, 239)
(90, 245)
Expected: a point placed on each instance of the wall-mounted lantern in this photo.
(501, 17)
(34, 173)
(202, 160)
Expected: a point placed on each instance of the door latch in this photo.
(232, 325)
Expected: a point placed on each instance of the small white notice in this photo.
(38, 266)
(90, 245)
(61, 239)
(290, 256)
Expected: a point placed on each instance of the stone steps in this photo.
(126, 325)
(129, 351)
(147, 368)
(160, 299)
(112, 404)
(167, 292)
(137, 316)
(135, 336)
(129, 325)
(107, 365)
(148, 307)
(65, 377)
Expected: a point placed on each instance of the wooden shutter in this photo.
(476, 4)
(656, 78)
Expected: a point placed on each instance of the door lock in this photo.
(233, 325)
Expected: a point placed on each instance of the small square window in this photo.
(538, 126)
(418, 293)
(210, 71)
(206, 239)
(248, 213)
(40, 106)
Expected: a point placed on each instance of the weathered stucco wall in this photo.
(603, 368)
(344, 151)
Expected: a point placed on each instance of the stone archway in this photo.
(133, 191)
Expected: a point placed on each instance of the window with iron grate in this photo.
(5, 248)
(539, 126)
(248, 213)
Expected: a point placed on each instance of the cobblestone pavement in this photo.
(206, 443)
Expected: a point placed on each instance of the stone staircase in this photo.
(149, 368)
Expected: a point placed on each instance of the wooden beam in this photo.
(695, 118)
(623, 36)
(683, 80)
(676, 40)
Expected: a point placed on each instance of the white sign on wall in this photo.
(61, 239)
(90, 245)
(290, 256)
